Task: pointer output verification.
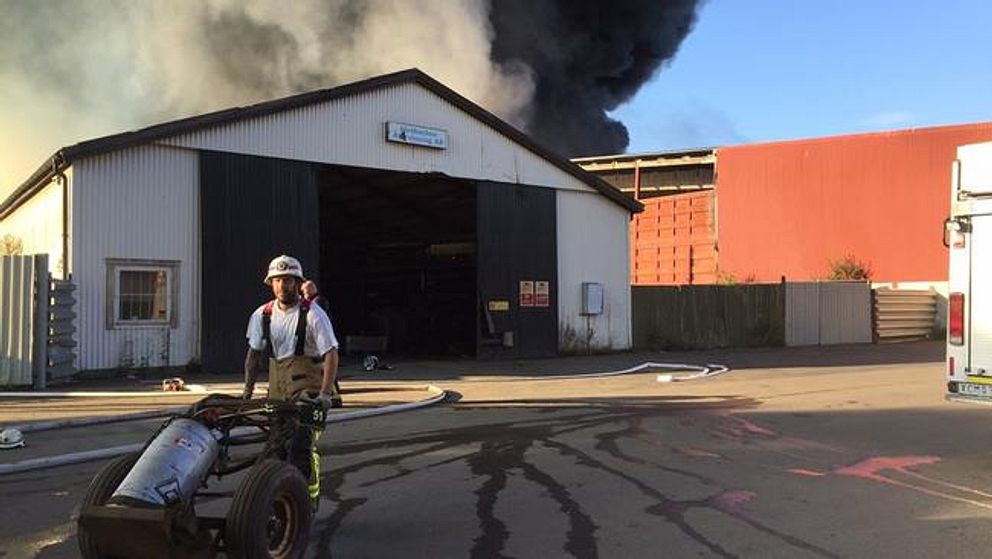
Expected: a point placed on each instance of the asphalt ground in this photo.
(846, 451)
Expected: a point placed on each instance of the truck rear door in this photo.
(979, 309)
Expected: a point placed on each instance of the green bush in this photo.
(849, 268)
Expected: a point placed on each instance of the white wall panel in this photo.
(351, 131)
(593, 246)
(138, 203)
(38, 224)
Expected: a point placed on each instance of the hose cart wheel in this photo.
(102, 488)
(270, 515)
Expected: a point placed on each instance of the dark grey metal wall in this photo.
(517, 240)
(251, 210)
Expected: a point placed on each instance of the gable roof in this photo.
(66, 155)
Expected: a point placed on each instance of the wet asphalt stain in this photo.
(493, 461)
(580, 541)
(502, 447)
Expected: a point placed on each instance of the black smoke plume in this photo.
(587, 58)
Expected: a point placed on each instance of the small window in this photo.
(141, 293)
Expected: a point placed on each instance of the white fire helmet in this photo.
(11, 438)
(283, 265)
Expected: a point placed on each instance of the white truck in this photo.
(968, 236)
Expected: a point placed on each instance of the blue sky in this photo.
(763, 70)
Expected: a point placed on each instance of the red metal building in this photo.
(791, 208)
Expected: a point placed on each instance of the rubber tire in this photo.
(246, 530)
(100, 490)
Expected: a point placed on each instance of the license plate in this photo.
(972, 389)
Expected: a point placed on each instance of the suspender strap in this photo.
(301, 328)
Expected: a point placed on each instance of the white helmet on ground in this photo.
(11, 438)
(283, 266)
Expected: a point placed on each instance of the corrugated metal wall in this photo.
(138, 203)
(791, 208)
(516, 236)
(253, 209)
(17, 288)
(350, 131)
(824, 313)
(673, 241)
(38, 225)
(593, 246)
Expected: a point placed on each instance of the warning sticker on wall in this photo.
(542, 294)
(499, 305)
(526, 293)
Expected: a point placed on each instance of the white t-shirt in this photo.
(320, 333)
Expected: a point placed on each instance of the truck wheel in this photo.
(270, 515)
(100, 490)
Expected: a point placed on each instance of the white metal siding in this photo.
(593, 246)
(38, 224)
(351, 131)
(978, 329)
(825, 313)
(138, 203)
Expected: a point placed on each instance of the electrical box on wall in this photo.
(592, 298)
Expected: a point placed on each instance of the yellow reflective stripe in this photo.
(979, 380)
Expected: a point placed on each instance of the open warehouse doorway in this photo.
(420, 264)
(398, 260)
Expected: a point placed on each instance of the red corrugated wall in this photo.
(791, 208)
(672, 240)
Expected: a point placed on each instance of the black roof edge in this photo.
(66, 155)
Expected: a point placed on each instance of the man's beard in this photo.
(289, 299)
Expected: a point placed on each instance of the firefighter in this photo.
(298, 343)
(312, 298)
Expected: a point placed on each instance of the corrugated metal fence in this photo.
(825, 313)
(23, 339)
(37, 335)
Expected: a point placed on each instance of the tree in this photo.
(11, 245)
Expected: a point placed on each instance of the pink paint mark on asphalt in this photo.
(754, 428)
(870, 468)
(807, 473)
(732, 499)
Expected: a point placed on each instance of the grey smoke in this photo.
(71, 70)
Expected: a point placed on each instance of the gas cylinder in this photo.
(171, 468)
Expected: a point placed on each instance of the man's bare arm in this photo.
(330, 367)
(254, 362)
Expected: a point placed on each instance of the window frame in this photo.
(113, 294)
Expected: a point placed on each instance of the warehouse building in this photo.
(761, 212)
(431, 225)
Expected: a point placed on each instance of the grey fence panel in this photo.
(707, 316)
(17, 286)
(802, 314)
(828, 312)
(845, 313)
